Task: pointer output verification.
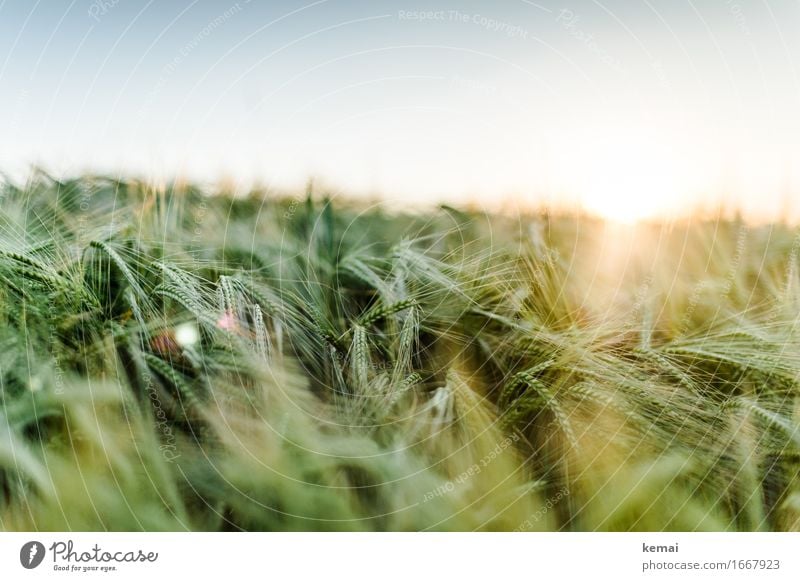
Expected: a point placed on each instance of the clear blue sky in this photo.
(419, 100)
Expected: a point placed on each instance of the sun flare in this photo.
(629, 178)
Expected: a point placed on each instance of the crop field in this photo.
(176, 359)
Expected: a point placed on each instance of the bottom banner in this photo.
(355, 556)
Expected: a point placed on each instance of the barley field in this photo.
(177, 359)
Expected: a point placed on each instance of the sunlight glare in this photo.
(630, 178)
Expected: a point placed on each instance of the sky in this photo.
(629, 108)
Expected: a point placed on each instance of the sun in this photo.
(625, 194)
(628, 178)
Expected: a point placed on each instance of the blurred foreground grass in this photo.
(173, 361)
